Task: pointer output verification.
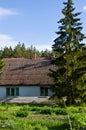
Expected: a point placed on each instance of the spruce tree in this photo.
(69, 74)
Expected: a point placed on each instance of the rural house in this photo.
(25, 77)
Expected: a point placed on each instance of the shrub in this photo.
(46, 111)
(30, 127)
(26, 108)
(38, 109)
(21, 113)
(72, 110)
(40, 127)
(61, 111)
(79, 121)
(82, 109)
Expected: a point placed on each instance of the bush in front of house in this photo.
(50, 111)
(46, 110)
(39, 127)
(21, 113)
(60, 111)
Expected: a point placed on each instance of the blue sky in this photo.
(33, 22)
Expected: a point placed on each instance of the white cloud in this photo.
(4, 37)
(84, 8)
(5, 12)
(43, 47)
(7, 40)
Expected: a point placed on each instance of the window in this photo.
(17, 91)
(43, 91)
(46, 91)
(12, 91)
(8, 91)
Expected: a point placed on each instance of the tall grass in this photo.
(42, 117)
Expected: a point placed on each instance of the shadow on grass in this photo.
(60, 127)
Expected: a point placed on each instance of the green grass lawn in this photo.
(42, 117)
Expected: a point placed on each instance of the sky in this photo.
(33, 22)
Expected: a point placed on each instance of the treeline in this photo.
(20, 51)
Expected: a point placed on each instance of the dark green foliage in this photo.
(37, 121)
(79, 121)
(60, 111)
(69, 74)
(22, 113)
(50, 110)
(20, 51)
(7, 52)
(36, 109)
(46, 53)
(40, 127)
(46, 111)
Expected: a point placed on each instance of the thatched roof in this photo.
(20, 71)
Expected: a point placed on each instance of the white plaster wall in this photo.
(29, 91)
(24, 91)
(2, 92)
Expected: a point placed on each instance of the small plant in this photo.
(79, 121)
(46, 111)
(6, 107)
(61, 111)
(38, 109)
(21, 113)
(30, 127)
(40, 127)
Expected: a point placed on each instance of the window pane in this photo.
(46, 91)
(42, 92)
(12, 91)
(17, 91)
(8, 92)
